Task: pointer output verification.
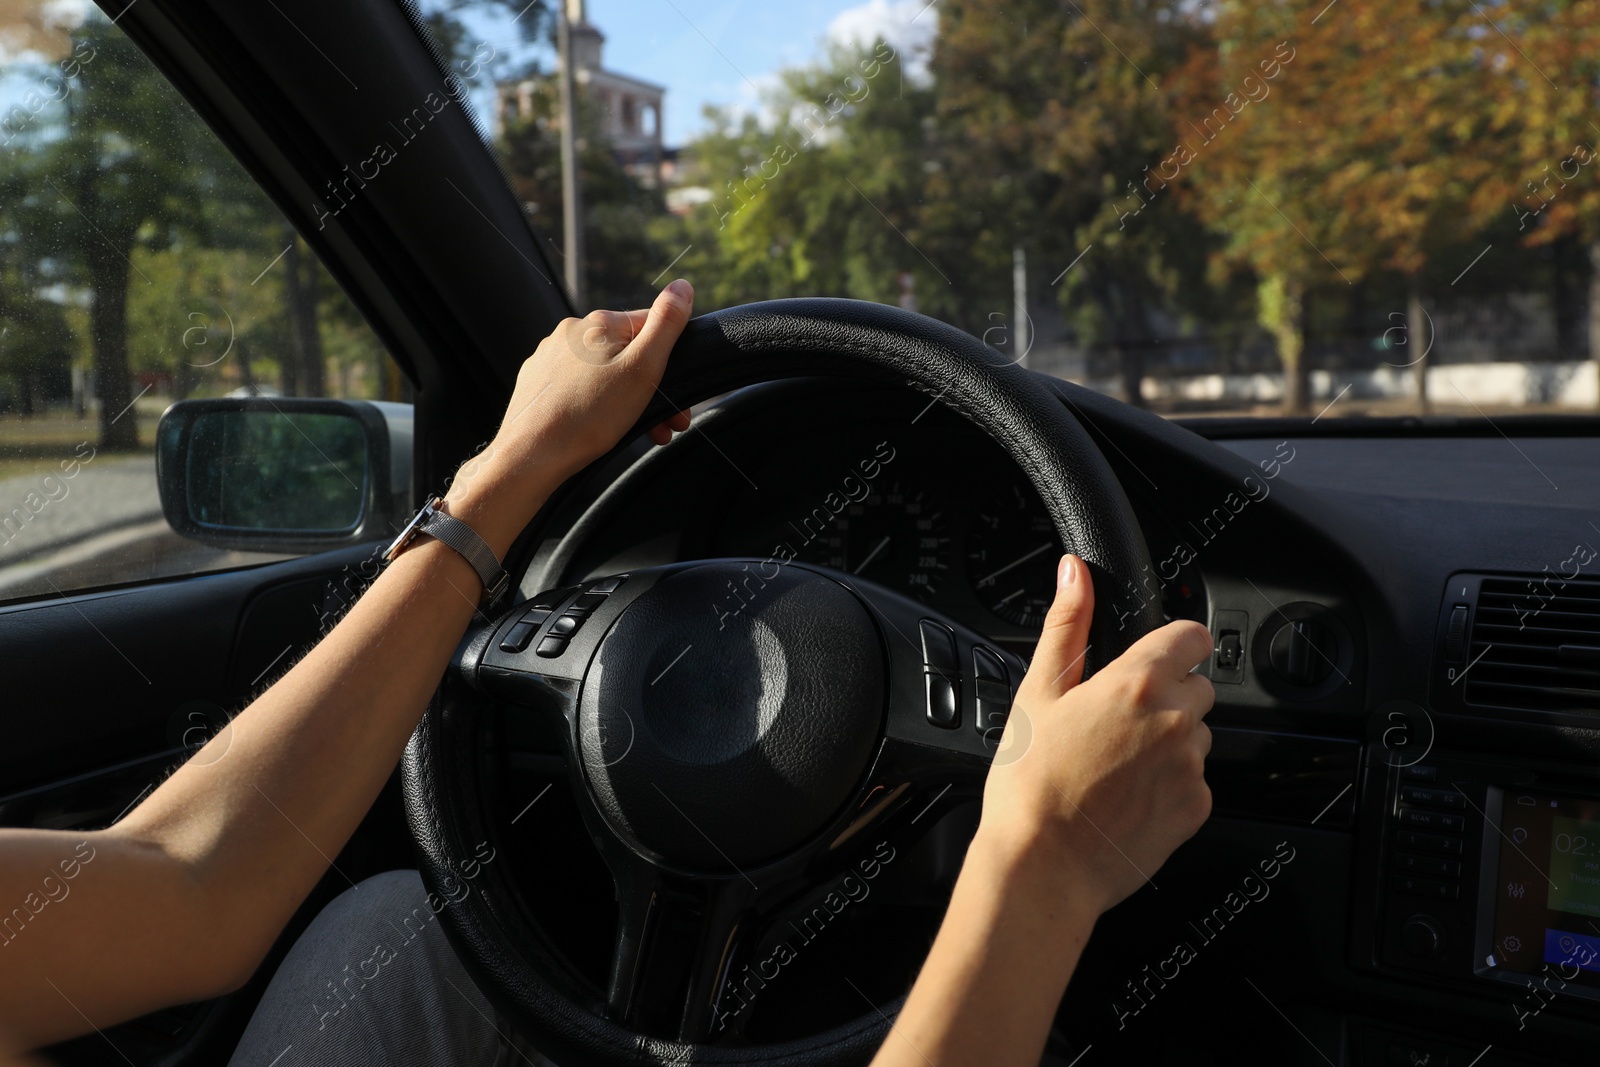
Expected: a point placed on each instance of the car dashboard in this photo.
(1353, 585)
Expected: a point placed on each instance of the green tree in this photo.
(37, 341)
(1388, 137)
(1049, 117)
(820, 195)
(1546, 96)
(126, 168)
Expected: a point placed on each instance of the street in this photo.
(103, 526)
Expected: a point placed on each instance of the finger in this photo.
(661, 433)
(629, 323)
(601, 335)
(1174, 649)
(1065, 637)
(664, 322)
(1197, 695)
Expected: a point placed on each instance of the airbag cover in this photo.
(728, 715)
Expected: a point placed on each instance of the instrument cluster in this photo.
(946, 518)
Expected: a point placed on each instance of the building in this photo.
(630, 109)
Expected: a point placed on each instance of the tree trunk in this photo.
(247, 377)
(1281, 308)
(1419, 338)
(1130, 358)
(1594, 300)
(311, 332)
(1570, 262)
(300, 299)
(1123, 307)
(109, 267)
(289, 366)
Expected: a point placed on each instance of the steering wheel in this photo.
(747, 739)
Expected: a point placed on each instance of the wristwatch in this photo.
(459, 536)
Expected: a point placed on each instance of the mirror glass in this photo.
(267, 470)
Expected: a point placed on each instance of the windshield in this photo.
(1358, 208)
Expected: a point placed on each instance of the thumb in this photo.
(1059, 657)
(663, 323)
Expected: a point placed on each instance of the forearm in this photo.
(256, 823)
(309, 757)
(193, 886)
(999, 966)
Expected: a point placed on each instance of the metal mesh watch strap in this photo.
(465, 540)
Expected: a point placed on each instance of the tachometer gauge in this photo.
(896, 534)
(1012, 552)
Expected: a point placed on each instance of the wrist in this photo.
(1023, 919)
(488, 512)
(498, 494)
(1026, 866)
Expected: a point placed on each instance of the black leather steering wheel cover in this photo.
(814, 336)
(720, 352)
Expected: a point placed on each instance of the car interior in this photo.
(1402, 865)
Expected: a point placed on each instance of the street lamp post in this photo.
(571, 193)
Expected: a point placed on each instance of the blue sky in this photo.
(703, 51)
(651, 40)
(721, 51)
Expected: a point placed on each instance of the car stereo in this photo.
(1539, 893)
(1492, 872)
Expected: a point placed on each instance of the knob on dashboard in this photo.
(1423, 937)
(1303, 651)
(1300, 652)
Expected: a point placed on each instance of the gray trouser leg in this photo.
(374, 981)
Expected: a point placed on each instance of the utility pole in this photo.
(571, 194)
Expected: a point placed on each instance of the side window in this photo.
(139, 265)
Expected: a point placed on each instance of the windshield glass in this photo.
(1225, 208)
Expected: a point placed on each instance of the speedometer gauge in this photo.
(897, 536)
(1012, 552)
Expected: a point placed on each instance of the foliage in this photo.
(810, 205)
(1394, 138)
(621, 257)
(1067, 102)
(131, 242)
(1230, 174)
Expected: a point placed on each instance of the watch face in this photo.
(411, 530)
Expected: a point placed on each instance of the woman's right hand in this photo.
(1097, 782)
(576, 395)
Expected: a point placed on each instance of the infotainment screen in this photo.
(1542, 901)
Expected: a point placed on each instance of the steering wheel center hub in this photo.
(731, 711)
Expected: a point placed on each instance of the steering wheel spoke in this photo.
(535, 653)
(675, 943)
(641, 900)
(950, 688)
(718, 948)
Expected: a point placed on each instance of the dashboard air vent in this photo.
(1535, 645)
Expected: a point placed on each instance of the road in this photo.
(101, 527)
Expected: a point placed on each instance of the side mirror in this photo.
(284, 474)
